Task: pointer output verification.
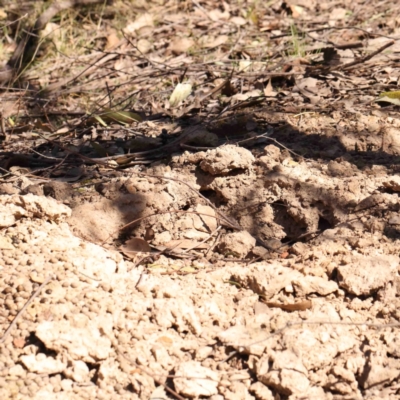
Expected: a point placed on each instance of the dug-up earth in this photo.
(257, 262)
(317, 319)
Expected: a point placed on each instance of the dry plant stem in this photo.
(286, 148)
(14, 21)
(43, 156)
(14, 321)
(203, 241)
(213, 245)
(92, 67)
(200, 7)
(193, 148)
(140, 278)
(368, 57)
(127, 157)
(330, 28)
(3, 127)
(165, 251)
(87, 276)
(32, 173)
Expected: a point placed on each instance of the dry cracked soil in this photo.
(316, 319)
(258, 259)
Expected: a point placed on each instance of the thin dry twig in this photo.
(213, 245)
(368, 57)
(14, 321)
(3, 127)
(203, 241)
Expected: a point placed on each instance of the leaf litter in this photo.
(207, 192)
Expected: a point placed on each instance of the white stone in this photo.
(42, 364)
(193, 380)
(85, 344)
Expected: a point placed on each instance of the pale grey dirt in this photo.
(104, 327)
(269, 197)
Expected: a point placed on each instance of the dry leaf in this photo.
(136, 245)
(227, 89)
(180, 93)
(69, 174)
(181, 45)
(201, 138)
(185, 244)
(50, 29)
(239, 21)
(218, 15)
(300, 306)
(244, 65)
(269, 90)
(312, 89)
(100, 150)
(337, 13)
(215, 42)
(149, 235)
(165, 341)
(132, 249)
(62, 131)
(253, 16)
(246, 96)
(188, 269)
(284, 255)
(109, 116)
(140, 22)
(112, 41)
(43, 126)
(144, 46)
(297, 11)
(390, 97)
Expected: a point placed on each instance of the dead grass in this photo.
(131, 55)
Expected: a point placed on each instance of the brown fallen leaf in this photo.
(269, 90)
(112, 41)
(165, 341)
(210, 43)
(218, 15)
(180, 93)
(300, 306)
(143, 20)
(185, 244)
(181, 45)
(136, 244)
